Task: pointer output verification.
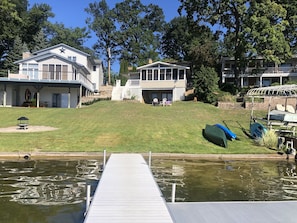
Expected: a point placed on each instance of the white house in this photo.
(260, 72)
(154, 80)
(58, 76)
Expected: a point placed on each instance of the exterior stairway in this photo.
(104, 93)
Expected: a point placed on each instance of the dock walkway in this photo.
(127, 192)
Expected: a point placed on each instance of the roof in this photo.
(277, 91)
(161, 63)
(47, 55)
(61, 45)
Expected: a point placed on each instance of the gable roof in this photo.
(162, 63)
(61, 45)
(48, 55)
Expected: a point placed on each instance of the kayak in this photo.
(215, 135)
(229, 134)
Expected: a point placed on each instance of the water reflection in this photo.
(47, 182)
(226, 180)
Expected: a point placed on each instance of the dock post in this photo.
(173, 193)
(150, 159)
(104, 158)
(88, 200)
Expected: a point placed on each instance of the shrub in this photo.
(269, 139)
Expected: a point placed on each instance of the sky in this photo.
(72, 13)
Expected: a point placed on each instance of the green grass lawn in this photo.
(127, 126)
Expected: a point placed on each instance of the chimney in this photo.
(26, 55)
(150, 61)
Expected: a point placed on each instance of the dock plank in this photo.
(127, 192)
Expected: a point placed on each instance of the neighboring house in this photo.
(155, 80)
(260, 73)
(58, 76)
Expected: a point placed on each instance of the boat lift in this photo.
(280, 91)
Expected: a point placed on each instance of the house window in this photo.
(55, 71)
(51, 71)
(143, 75)
(174, 74)
(45, 71)
(162, 74)
(150, 75)
(64, 72)
(155, 74)
(58, 72)
(168, 74)
(181, 75)
(31, 70)
(94, 68)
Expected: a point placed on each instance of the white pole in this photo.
(104, 158)
(173, 193)
(150, 159)
(88, 201)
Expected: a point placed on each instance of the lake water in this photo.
(51, 191)
(45, 191)
(204, 180)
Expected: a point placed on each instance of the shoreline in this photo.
(72, 155)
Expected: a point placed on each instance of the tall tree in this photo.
(10, 23)
(40, 41)
(184, 40)
(265, 28)
(14, 54)
(102, 21)
(177, 38)
(130, 30)
(291, 17)
(229, 15)
(34, 20)
(140, 30)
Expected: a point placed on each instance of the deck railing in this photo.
(53, 76)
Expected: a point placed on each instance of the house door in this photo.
(57, 100)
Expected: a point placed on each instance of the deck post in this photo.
(173, 193)
(150, 159)
(104, 158)
(88, 200)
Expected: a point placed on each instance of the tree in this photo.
(290, 31)
(139, 32)
(265, 31)
(177, 38)
(102, 22)
(57, 33)
(40, 41)
(34, 20)
(130, 30)
(14, 55)
(10, 23)
(206, 84)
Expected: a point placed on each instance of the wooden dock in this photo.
(127, 192)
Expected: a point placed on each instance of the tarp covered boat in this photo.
(215, 135)
(257, 130)
(229, 134)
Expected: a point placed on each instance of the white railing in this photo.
(54, 76)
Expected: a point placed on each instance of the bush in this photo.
(227, 97)
(269, 139)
